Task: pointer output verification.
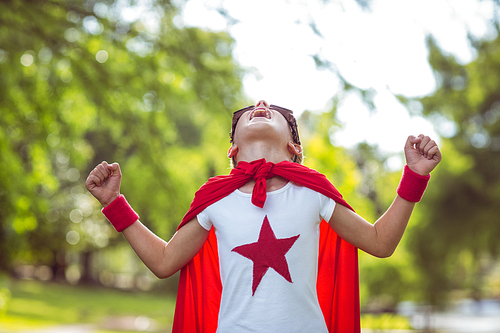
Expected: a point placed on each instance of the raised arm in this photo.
(161, 257)
(381, 238)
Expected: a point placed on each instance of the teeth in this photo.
(261, 113)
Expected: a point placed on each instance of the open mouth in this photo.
(260, 113)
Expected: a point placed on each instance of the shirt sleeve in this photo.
(327, 205)
(204, 220)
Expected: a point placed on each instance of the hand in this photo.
(422, 154)
(104, 182)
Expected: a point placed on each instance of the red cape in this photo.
(199, 292)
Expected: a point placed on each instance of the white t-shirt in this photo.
(293, 212)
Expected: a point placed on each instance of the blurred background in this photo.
(152, 85)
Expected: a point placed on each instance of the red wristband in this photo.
(120, 214)
(412, 185)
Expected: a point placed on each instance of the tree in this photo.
(462, 206)
(81, 82)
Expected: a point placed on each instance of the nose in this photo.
(262, 104)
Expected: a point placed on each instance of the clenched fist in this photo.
(104, 182)
(422, 154)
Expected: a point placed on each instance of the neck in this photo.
(257, 150)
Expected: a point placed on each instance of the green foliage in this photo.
(459, 214)
(337, 164)
(80, 84)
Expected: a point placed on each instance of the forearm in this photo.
(162, 258)
(379, 239)
(149, 248)
(166, 258)
(390, 227)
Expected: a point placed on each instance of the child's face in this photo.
(262, 123)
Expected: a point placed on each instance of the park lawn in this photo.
(36, 305)
(40, 305)
(385, 321)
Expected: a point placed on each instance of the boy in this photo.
(268, 213)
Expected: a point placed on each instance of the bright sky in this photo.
(382, 48)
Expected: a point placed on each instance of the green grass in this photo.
(385, 321)
(37, 305)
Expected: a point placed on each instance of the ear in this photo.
(233, 150)
(294, 148)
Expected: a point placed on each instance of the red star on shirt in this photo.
(267, 252)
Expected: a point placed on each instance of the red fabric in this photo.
(120, 214)
(412, 185)
(199, 292)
